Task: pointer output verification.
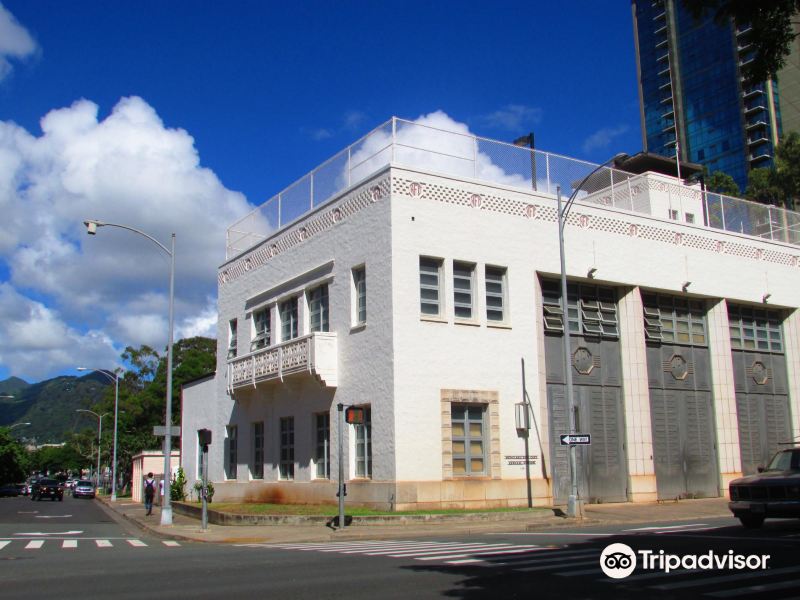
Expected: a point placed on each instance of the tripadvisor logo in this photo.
(619, 560)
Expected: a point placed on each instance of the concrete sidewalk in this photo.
(187, 528)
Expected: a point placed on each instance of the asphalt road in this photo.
(75, 549)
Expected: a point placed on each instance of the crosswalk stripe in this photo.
(34, 545)
(545, 558)
(170, 543)
(451, 549)
(136, 543)
(650, 575)
(3, 544)
(103, 543)
(593, 571)
(411, 546)
(725, 578)
(69, 544)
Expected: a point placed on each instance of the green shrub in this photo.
(177, 489)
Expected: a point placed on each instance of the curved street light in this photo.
(563, 212)
(99, 437)
(112, 376)
(91, 229)
(17, 424)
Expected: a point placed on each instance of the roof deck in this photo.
(465, 156)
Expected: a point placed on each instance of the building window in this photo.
(364, 446)
(755, 329)
(319, 312)
(430, 276)
(360, 295)
(689, 217)
(674, 320)
(258, 451)
(673, 214)
(322, 453)
(495, 294)
(591, 310)
(287, 448)
(232, 338)
(469, 457)
(463, 286)
(262, 329)
(288, 310)
(233, 452)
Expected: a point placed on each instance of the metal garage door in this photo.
(681, 410)
(762, 399)
(595, 360)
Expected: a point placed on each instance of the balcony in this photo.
(312, 355)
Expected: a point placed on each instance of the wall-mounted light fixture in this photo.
(685, 286)
(766, 297)
(591, 273)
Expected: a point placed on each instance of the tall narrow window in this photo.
(322, 453)
(430, 275)
(233, 451)
(287, 448)
(232, 338)
(262, 330)
(258, 450)
(288, 310)
(469, 457)
(463, 286)
(364, 445)
(360, 295)
(319, 319)
(495, 294)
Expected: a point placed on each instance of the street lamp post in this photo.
(18, 425)
(115, 379)
(99, 438)
(563, 212)
(91, 229)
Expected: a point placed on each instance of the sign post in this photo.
(340, 427)
(204, 439)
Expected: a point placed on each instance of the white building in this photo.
(412, 273)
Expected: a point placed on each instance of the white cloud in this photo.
(130, 169)
(514, 117)
(15, 41)
(602, 138)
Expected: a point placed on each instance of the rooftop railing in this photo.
(461, 154)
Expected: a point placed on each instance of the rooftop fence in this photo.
(462, 155)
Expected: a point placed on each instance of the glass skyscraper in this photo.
(691, 93)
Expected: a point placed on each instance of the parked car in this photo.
(9, 490)
(773, 493)
(47, 488)
(83, 489)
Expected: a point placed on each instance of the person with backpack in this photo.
(149, 492)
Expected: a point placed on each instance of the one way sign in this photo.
(576, 439)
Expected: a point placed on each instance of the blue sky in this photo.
(178, 116)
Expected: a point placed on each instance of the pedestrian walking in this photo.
(149, 493)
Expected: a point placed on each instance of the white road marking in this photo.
(556, 534)
(34, 545)
(170, 543)
(3, 544)
(551, 558)
(53, 516)
(69, 544)
(136, 543)
(51, 533)
(103, 543)
(666, 527)
(579, 563)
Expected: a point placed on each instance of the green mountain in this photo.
(50, 406)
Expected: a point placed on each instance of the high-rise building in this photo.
(691, 91)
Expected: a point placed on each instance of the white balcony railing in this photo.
(314, 354)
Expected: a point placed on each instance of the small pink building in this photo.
(151, 461)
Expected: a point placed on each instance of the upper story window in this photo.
(463, 290)
(755, 329)
(591, 309)
(360, 295)
(232, 338)
(262, 330)
(289, 328)
(674, 320)
(430, 278)
(319, 312)
(495, 294)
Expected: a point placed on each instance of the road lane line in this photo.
(137, 543)
(555, 534)
(4, 544)
(103, 543)
(665, 527)
(170, 543)
(725, 578)
(34, 545)
(69, 544)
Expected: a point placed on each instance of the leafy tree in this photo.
(787, 168)
(762, 187)
(13, 460)
(58, 459)
(722, 183)
(771, 32)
